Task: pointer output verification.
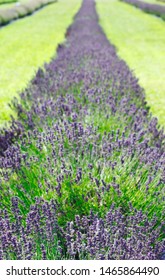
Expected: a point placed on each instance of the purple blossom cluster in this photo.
(89, 237)
(83, 149)
(115, 237)
(21, 240)
(150, 8)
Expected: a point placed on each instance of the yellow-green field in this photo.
(140, 41)
(27, 44)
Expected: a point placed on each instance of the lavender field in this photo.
(83, 166)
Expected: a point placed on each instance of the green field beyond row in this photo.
(27, 44)
(140, 41)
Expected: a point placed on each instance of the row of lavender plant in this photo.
(89, 237)
(83, 167)
(22, 10)
(7, 1)
(150, 8)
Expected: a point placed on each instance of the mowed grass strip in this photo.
(27, 44)
(140, 41)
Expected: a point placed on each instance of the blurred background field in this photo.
(27, 44)
(140, 41)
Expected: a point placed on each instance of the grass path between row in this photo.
(27, 44)
(139, 39)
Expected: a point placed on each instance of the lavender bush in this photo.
(85, 139)
(115, 237)
(22, 10)
(150, 8)
(32, 238)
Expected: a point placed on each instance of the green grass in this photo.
(27, 44)
(139, 39)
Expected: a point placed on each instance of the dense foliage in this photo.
(150, 8)
(83, 167)
(22, 10)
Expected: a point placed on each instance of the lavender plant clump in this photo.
(22, 10)
(18, 241)
(83, 166)
(115, 237)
